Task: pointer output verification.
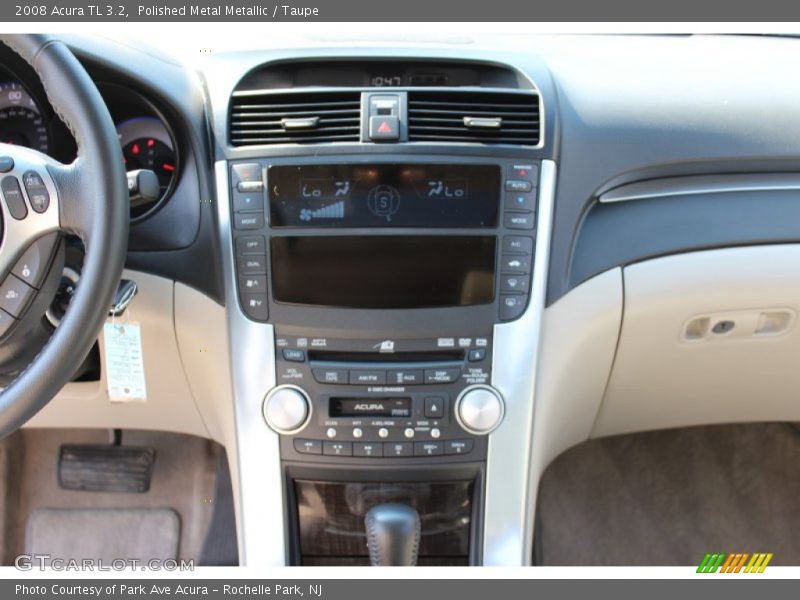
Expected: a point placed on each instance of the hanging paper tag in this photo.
(124, 362)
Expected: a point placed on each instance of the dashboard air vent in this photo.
(474, 117)
(294, 118)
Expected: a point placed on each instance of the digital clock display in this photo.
(385, 80)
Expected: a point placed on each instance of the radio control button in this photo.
(458, 446)
(383, 432)
(517, 220)
(334, 376)
(358, 433)
(428, 448)
(515, 264)
(442, 375)
(368, 449)
(367, 377)
(435, 433)
(434, 407)
(294, 355)
(476, 355)
(409, 432)
(404, 377)
(398, 449)
(308, 446)
(331, 433)
(518, 185)
(512, 307)
(286, 409)
(337, 448)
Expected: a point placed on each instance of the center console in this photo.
(383, 278)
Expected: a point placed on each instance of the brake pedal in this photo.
(105, 468)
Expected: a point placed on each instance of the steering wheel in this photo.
(42, 199)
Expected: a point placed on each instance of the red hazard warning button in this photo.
(384, 128)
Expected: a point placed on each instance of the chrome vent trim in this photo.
(306, 117)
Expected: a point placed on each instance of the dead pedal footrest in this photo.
(104, 468)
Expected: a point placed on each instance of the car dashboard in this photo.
(423, 271)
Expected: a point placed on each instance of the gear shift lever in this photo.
(393, 532)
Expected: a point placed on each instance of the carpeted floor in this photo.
(668, 497)
(184, 484)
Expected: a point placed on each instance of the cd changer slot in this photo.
(393, 357)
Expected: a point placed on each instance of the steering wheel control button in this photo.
(38, 195)
(479, 409)
(12, 194)
(251, 244)
(32, 266)
(6, 164)
(516, 220)
(337, 448)
(458, 446)
(255, 306)
(304, 446)
(287, 409)
(428, 448)
(434, 407)
(248, 221)
(6, 322)
(15, 295)
(512, 306)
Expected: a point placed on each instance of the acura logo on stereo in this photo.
(368, 407)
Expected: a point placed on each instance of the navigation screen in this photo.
(384, 195)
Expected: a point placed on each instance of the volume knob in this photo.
(479, 409)
(287, 409)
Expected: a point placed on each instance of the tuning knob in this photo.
(479, 409)
(287, 409)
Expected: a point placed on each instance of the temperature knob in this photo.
(479, 409)
(287, 409)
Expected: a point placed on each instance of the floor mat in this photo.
(183, 479)
(668, 497)
(116, 534)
